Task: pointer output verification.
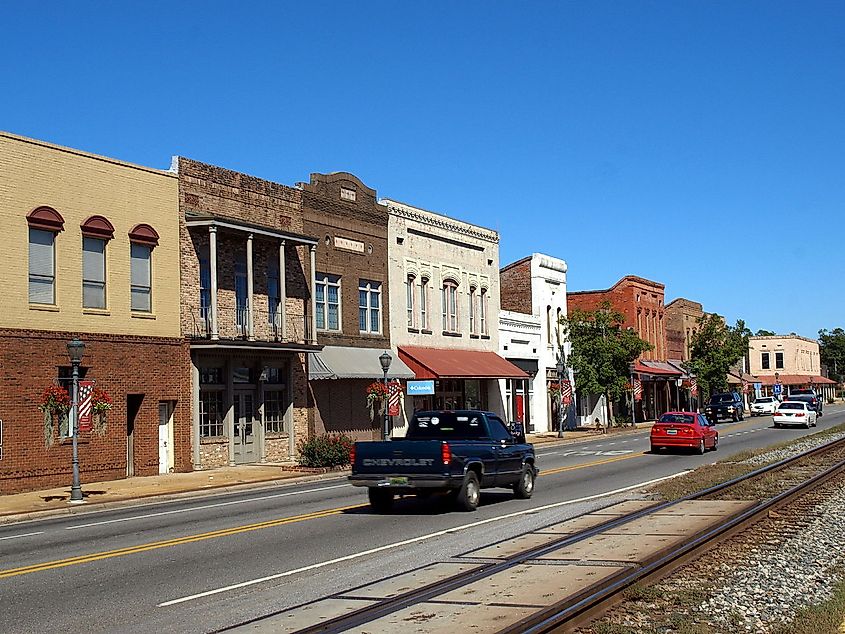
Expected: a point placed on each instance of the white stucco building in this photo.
(443, 277)
(535, 286)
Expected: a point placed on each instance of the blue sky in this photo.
(700, 144)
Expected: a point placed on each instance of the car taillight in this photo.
(799, 413)
(352, 455)
(687, 430)
(446, 453)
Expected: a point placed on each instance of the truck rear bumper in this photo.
(398, 481)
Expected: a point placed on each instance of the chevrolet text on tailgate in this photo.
(453, 453)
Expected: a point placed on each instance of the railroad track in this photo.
(763, 490)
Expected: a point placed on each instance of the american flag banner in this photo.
(566, 392)
(693, 388)
(744, 386)
(394, 396)
(86, 405)
(638, 390)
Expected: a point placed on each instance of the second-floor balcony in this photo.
(234, 323)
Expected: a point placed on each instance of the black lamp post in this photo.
(561, 368)
(385, 360)
(75, 351)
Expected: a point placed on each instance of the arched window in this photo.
(549, 325)
(44, 223)
(557, 328)
(449, 304)
(96, 232)
(142, 240)
(424, 325)
(483, 312)
(472, 309)
(410, 297)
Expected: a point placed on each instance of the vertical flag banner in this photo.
(638, 390)
(566, 392)
(395, 391)
(86, 405)
(744, 386)
(694, 388)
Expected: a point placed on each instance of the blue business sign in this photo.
(420, 388)
(777, 388)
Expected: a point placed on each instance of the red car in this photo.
(684, 429)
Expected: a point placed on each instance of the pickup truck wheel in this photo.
(469, 494)
(523, 489)
(381, 500)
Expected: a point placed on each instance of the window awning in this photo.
(657, 368)
(346, 362)
(795, 379)
(439, 363)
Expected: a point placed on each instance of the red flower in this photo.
(54, 399)
(377, 389)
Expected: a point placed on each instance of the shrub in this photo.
(328, 450)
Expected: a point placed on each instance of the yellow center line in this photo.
(225, 532)
(72, 561)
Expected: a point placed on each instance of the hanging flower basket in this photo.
(554, 391)
(376, 395)
(54, 404)
(101, 403)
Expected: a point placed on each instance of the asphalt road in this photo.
(200, 564)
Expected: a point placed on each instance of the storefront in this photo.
(519, 394)
(463, 379)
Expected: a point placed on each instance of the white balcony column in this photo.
(313, 293)
(250, 327)
(212, 261)
(281, 313)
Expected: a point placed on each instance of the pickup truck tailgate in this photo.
(409, 457)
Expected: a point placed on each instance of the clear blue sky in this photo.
(700, 144)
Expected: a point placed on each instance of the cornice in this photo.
(439, 221)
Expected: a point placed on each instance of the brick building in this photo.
(641, 303)
(91, 251)
(248, 313)
(536, 286)
(352, 302)
(681, 316)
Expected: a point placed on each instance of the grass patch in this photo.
(731, 467)
(639, 592)
(825, 618)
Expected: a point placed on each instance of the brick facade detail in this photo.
(682, 317)
(515, 282)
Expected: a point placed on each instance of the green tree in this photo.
(602, 349)
(764, 333)
(714, 349)
(832, 352)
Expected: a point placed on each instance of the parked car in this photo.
(725, 405)
(764, 405)
(456, 453)
(791, 413)
(684, 429)
(810, 397)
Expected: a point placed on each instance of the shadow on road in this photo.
(431, 505)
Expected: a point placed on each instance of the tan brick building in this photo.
(248, 312)
(681, 316)
(789, 360)
(91, 251)
(353, 302)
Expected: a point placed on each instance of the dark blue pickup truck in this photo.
(457, 453)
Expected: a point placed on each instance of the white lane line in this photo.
(24, 535)
(205, 506)
(413, 540)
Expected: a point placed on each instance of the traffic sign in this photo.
(778, 388)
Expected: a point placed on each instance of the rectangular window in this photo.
(241, 294)
(140, 256)
(275, 405)
(211, 413)
(42, 267)
(211, 376)
(205, 288)
(93, 272)
(273, 296)
(424, 304)
(764, 361)
(369, 306)
(328, 302)
(779, 360)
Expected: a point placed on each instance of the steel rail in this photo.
(425, 593)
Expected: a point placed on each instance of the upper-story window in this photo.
(369, 306)
(241, 292)
(779, 360)
(549, 325)
(472, 308)
(449, 304)
(96, 232)
(410, 297)
(142, 240)
(205, 285)
(424, 304)
(328, 302)
(558, 327)
(485, 329)
(273, 296)
(44, 223)
(764, 361)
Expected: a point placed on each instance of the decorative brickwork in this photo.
(515, 281)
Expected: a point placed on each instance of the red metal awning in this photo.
(438, 363)
(661, 370)
(795, 379)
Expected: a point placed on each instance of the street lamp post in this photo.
(561, 368)
(385, 360)
(75, 350)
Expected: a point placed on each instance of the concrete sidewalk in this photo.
(116, 493)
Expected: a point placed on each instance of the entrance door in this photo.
(165, 451)
(245, 450)
(133, 405)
